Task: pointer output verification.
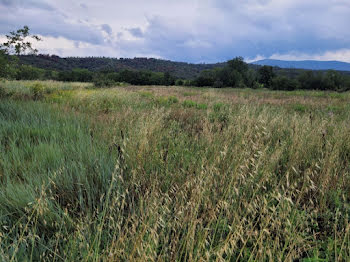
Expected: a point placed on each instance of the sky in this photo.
(197, 31)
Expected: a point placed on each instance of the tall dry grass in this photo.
(136, 175)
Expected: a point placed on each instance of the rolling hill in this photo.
(178, 69)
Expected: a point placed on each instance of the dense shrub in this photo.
(266, 76)
(284, 83)
(218, 84)
(37, 90)
(193, 104)
(101, 82)
(179, 82)
(2, 91)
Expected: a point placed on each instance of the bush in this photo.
(266, 75)
(189, 103)
(218, 84)
(300, 108)
(218, 106)
(192, 104)
(166, 101)
(257, 85)
(284, 83)
(146, 94)
(172, 100)
(220, 114)
(201, 106)
(38, 91)
(179, 82)
(2, 92)
(189, 83)
(101, 82)
(26, 72)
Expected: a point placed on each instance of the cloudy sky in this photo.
(186, 30)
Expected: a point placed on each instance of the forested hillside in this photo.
(178, 69)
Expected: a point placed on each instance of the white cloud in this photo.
(256, 58)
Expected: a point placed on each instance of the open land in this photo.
(156, 173)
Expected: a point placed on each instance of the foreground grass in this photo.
(173, 174)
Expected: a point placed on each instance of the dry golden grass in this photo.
(253, 175)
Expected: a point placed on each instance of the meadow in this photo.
(153, 173)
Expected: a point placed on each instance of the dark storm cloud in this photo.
(209, 30)
(106, 28)
(26, 4)
(250, 28)
(46, 20)
(136, 32)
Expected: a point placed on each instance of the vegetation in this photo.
(238, 74)
(172, 174)
(266, 76)
(149, 71)
(235, 73)
(97, 64)
(95, 169)
(17, 42)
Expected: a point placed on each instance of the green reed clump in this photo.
(3, 92)
(193, 104)
(52, 172)
(38, 91)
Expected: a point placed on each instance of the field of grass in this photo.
(173, 174)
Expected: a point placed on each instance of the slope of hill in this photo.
(307, 64)
(178, 69)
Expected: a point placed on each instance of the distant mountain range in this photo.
(307, 64)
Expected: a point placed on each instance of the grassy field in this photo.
(172, 174)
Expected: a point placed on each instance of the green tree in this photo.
(82, 75)
(239, 72)
(238, 64)
(284, 83)
(251, 80)
(206, 78)
(228, 77)
(3, 64)
(7, 65)
(332, 80)
(18, 42)
(168, 79)
(266, 75)
(26, 72)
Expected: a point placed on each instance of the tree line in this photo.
(238, 74)
(96, 64)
